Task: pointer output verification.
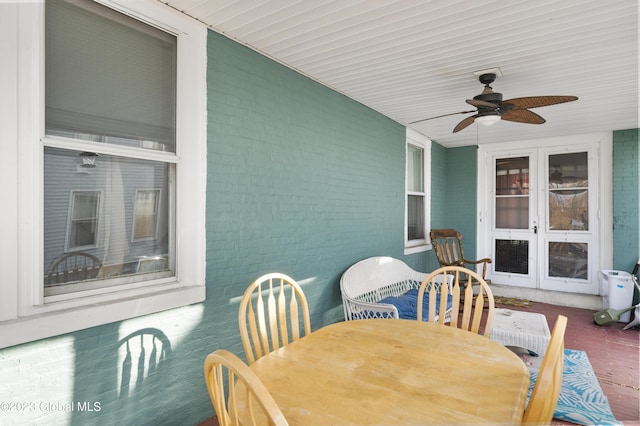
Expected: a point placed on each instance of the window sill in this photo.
(41, 326)
(417, 249)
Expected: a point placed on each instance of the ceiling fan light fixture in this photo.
(488, 119)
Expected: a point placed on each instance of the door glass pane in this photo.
(512, 193)
(512, 212)
(512, 256)
(568, 192)
(568, 260)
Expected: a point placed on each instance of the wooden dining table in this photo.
(394, 372)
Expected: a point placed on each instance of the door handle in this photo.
(535, 229)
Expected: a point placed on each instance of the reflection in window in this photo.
(512, 193)
(110, 86)
(415, 193)
(83, 221)
(568, 260)
(112, 196)
(415, 222)
(568, 192)
(146, 214)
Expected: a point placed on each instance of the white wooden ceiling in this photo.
(413, 59)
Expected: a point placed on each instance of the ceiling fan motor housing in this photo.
(488, 95)
(492, 97)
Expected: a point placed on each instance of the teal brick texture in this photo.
(626, 199)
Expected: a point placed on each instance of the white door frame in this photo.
(604, 142)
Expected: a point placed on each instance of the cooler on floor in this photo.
(616, 288)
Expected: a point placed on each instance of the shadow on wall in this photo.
(143, 354)
(144, 370)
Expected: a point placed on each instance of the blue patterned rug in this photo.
(581, 399)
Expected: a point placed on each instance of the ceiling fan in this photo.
(491, 108)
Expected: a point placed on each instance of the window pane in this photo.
(108, 77)
(415, 219)
(568, 260)
(568, 192)
(568, 210)
(512, 193)
(85, 205)
(415, 174)
(512, 176)
(101, 210)
(512, 256)
(512, 212)
(84, 219)
(144, 225)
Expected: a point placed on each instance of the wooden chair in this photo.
(474, 301)
(76, 266)
(260, 403)
(544, 397)
(270, 313)
(447, 244)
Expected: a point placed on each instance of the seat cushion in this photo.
(407, 304)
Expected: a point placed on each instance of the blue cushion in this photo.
(407, 304)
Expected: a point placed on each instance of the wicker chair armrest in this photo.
(355, 309)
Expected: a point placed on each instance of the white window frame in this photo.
(419, 140)
(24, 315)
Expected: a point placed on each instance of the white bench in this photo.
(526, 330)
(371, 280)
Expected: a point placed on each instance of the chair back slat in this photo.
(262, 342)
(282, 314)
(546, 391)
(273, 320)
(295, 319)
(280, 319)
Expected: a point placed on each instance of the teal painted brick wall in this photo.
(439, 177)
(626, 199)
(301, 180)
(454, 194)
(462, 164)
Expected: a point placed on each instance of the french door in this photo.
(542, 222)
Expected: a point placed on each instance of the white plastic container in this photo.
(616, 288)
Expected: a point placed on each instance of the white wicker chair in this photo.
(369, 281)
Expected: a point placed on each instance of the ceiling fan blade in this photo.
(464, 123)
(440, 116)
(479, 103)
(523, 116)
(539, 101)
